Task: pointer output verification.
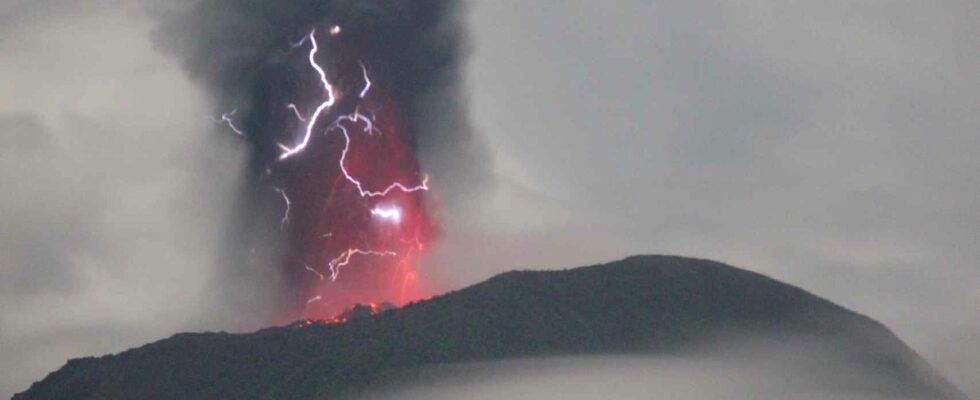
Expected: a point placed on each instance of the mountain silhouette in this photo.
(639, 305)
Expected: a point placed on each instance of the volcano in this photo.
(643, 305)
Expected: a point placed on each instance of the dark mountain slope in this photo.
(648, 304)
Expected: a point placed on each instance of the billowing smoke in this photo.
(357, 134)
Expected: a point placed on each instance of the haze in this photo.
(829, 144)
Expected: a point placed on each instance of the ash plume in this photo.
(296, 220)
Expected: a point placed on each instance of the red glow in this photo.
(348, 247)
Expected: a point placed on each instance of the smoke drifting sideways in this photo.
(354, 120)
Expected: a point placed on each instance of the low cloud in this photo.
(114, 188)
(741, 370)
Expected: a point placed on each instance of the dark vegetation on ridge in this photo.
(643, 304)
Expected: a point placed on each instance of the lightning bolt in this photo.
(329, 102)
(344, 258)
(299, 43)
(360, 187)
(300, 140)
(367, 81)
(314, 271)
(285, 217)
(355, 117)
(296, 111)
(226, 118)
(391, 213)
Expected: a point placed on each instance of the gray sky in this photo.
(831, 144)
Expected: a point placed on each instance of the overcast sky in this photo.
(832, 144)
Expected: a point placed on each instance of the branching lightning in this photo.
(360, 187)
(344, 259)
(371, 240)
(355, 117)
(329, 102)
(226, 118)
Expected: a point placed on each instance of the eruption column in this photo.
(338, 101)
